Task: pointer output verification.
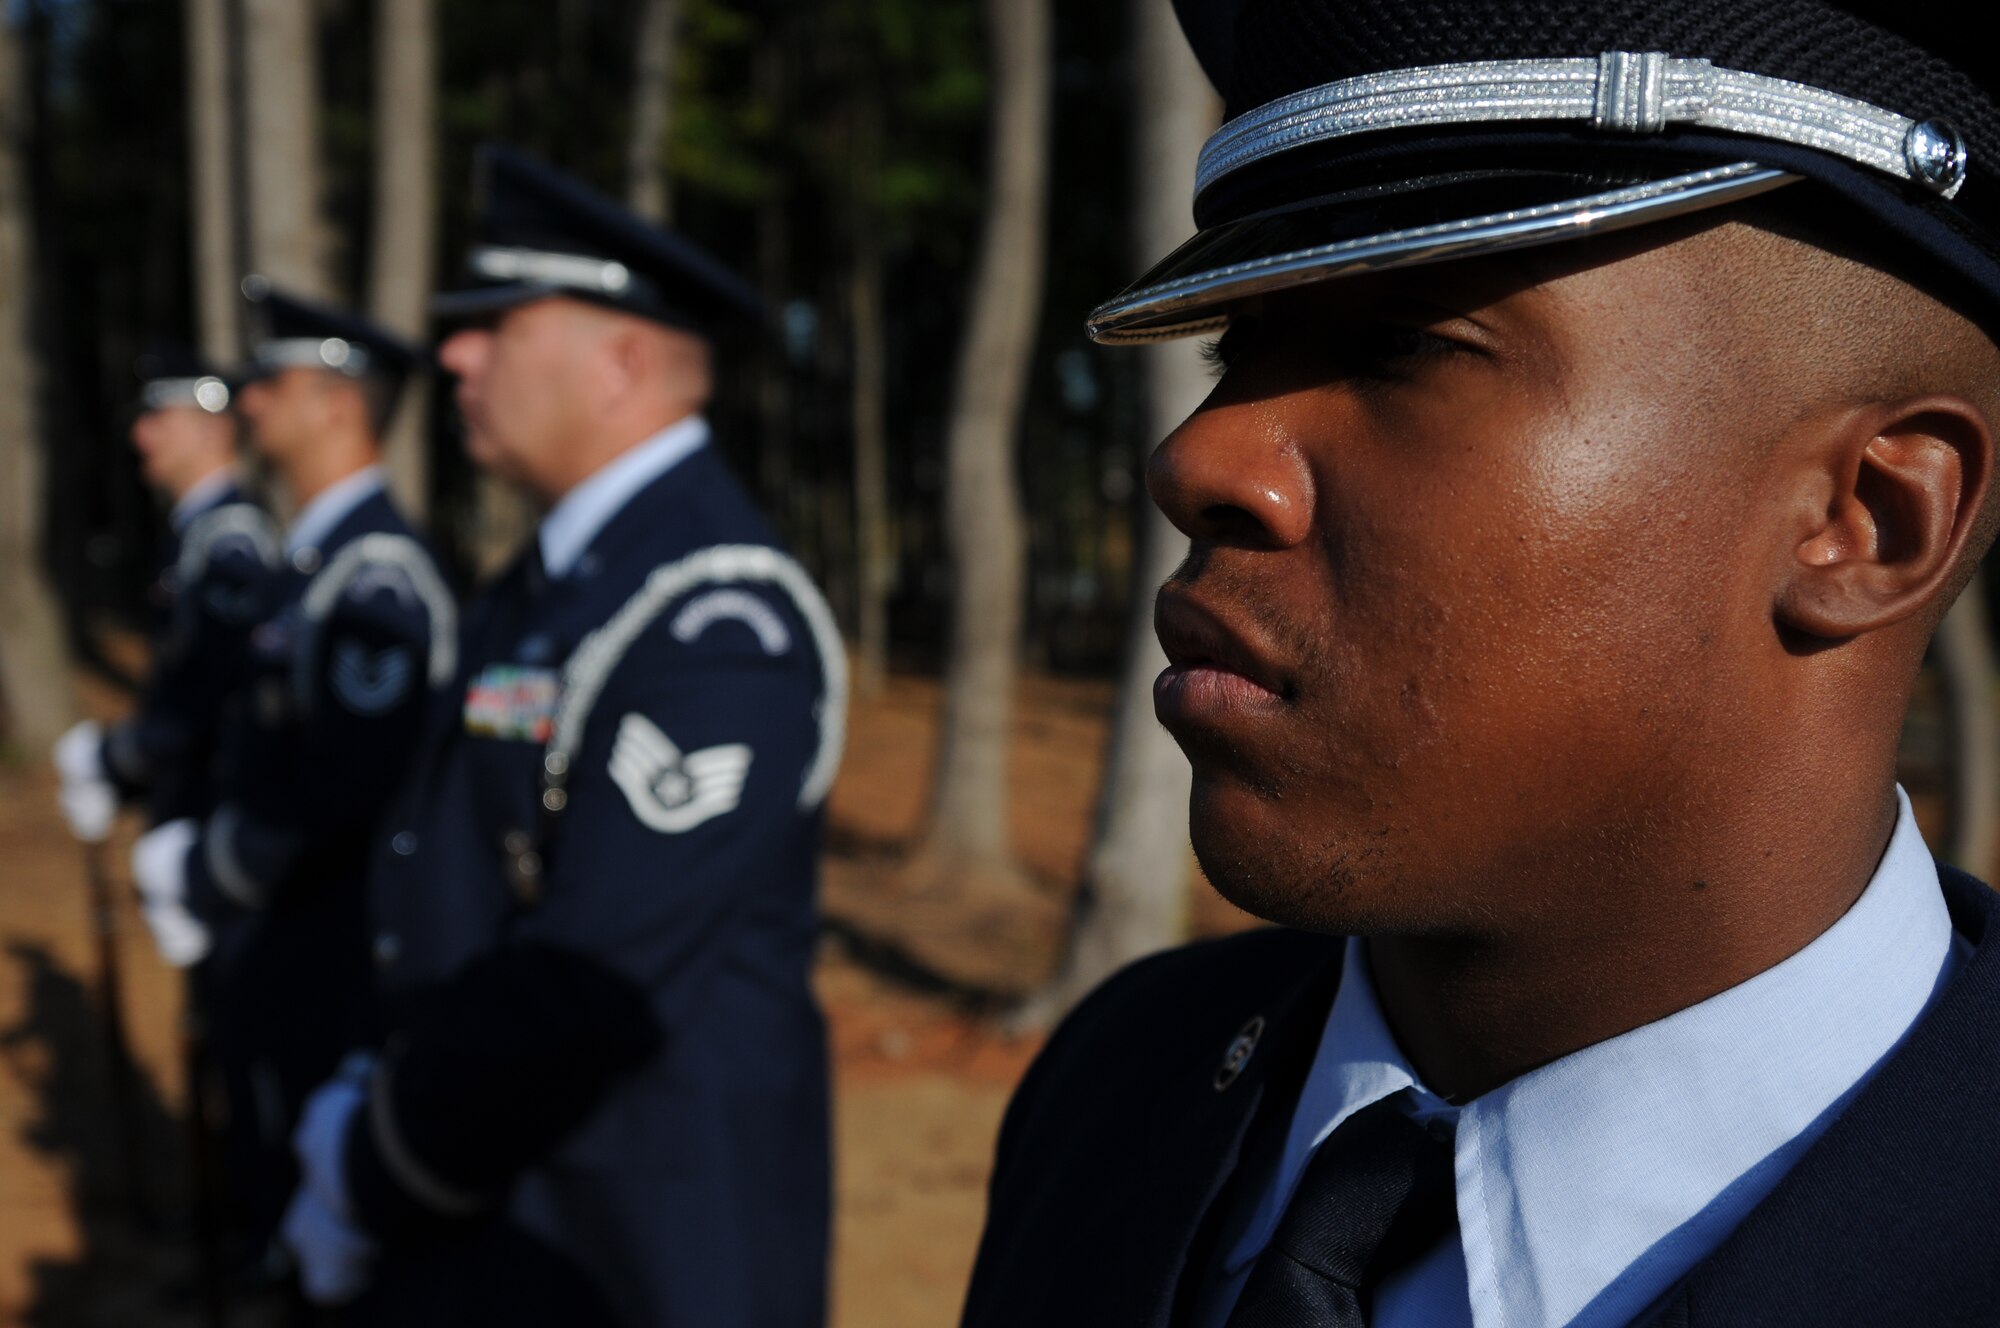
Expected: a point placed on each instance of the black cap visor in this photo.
(1431, 218)
(488, 301)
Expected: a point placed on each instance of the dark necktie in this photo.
(1376, 1194)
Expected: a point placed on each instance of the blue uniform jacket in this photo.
(1120, 1145)
(603, 1093)
(205, 600)
(349, 637)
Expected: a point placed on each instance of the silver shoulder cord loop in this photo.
(1623, 92)
(591, 666)
(229, 521)
(377, 550)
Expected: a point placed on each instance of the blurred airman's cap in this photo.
(172, 375)
(1372, 134)
(541, 233)
(289, 332)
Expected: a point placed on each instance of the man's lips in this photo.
(1210, 665)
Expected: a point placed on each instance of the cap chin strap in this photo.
(541, 267)
(335, 353)
(206, 393)
(1619, 92)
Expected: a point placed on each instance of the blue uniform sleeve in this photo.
(688, 811)
(164, 750)
(333, 719)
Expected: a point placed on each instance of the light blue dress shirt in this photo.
(1589, 1187)
(574, 521)
(320, 517)
(202, 495)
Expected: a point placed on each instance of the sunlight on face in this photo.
(521, 389)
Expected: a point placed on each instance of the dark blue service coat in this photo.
(603, 1096)
(1117, 1154)
(205, 599)
(339, 668)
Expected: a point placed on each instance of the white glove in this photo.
(336, 1261)
(159, 869)
(336, 1258)
(177, 934)
(89, 802)
(79, 754)
(320, 1141)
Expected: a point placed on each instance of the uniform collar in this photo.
(1588, 1187)
(586, 509)
(318, 519)
(205, 494)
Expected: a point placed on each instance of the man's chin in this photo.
(1263, 858)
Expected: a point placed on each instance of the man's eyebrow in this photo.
(1465, 288)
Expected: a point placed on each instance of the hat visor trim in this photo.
(1190, 291)
(483, 300)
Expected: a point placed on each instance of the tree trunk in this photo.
(503, 520)
(289, 241)
(35, 690)
(652, 104)
(212, 178)
(983, 518)
(874, 538)
(770, 75)
(1964, 649)
(1134, 895)
(403, 267)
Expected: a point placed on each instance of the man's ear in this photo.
(1902, 485)
(627, 363)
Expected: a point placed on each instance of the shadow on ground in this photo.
(100, 1123)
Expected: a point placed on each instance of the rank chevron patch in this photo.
(370, 682)
(672, 791)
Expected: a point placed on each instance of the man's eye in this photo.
(1392, 346)
(1221, 352)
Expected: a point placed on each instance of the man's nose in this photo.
(1228, 476)
(463, 351)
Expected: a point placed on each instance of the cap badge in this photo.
(1937, 156)
(1238, 1055)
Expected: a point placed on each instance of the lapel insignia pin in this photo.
(1238, 1055)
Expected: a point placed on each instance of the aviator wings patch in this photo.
(670, 790)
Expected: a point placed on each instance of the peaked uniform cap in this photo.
(289, 331)
(1370, 134)
(171, 374)
(542, 233)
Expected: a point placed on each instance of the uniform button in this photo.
(388, 948)
(306, 561)
(405, 843)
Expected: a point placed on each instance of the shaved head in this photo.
(1820, 326)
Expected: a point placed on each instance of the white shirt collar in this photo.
(203, 494)
(586, 509)
(318, 518)
(1597, 1181)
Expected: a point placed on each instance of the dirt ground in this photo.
(922, 1072)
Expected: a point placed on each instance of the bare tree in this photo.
(402, 270)
(967, 836)
(874, 537)
(34, 677)
(1964, 653)
(1134, 895)
(212, 175)
(289, 241)
(652, 104)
